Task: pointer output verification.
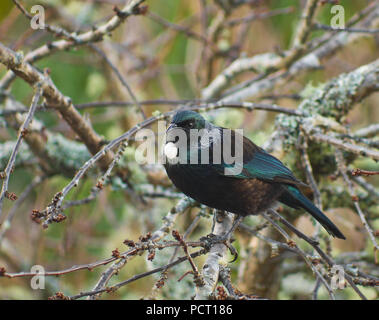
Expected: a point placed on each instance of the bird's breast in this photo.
(240, 196)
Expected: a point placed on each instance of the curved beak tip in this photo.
(170, 127)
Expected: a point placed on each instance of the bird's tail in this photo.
(294, 198)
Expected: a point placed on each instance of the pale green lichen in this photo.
(289, 127)
(264, 62)
(67, 153)
(23, 157)
(331, 100)
(156, 113)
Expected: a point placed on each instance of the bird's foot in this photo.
(211, 239)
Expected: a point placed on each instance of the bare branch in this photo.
(22, 132)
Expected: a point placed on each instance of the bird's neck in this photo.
(204, 142)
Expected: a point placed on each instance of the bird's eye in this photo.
(187, 124)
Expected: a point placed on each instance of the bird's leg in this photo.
(228, 234)
(212, 239)
(236, 222)
(214, 220)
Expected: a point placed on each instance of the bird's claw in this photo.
(212, 239)
(233, 251)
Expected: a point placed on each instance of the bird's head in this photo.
(187, 119)
(187, 131)
(184, 120)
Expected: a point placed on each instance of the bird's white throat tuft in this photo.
(170, 150)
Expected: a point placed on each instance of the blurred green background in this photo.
(158, 63)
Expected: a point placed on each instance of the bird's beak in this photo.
(171, 126)
(171, 133)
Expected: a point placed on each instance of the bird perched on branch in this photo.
(253, 183)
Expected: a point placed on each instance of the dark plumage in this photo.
(263, 180)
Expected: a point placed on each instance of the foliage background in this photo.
(158, 63)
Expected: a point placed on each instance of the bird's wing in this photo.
(259, 164)
(264, 166)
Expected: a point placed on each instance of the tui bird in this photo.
(263, 180)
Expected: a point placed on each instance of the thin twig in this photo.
(137, 277)
(258, 16)
(342, 168)
(320, 26)
(22, 132)
(119, 76)
(361, 172)
(360, 150)
(315, 245)
(6, 224)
